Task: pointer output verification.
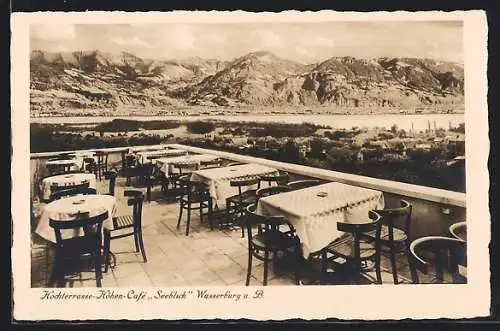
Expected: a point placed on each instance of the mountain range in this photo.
(98, 80)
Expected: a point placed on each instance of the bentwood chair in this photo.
(86, 246)
(271, 190)
(459, 230)
(195, 196)
(152, 176)
(58, 192)
(438, 254)
(279, 179)
(265, 242)
(236, 204)
(127, 225)
(102, 163)
(180, 169)
(111, 177)
(352, 252)
(215, 163)
(300, 184)
(395, 232)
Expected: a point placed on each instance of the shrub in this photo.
(200, 127)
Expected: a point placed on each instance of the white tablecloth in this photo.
(143, 156)
(64, 180)
(165, 163)
(218, 180)
(66, 209)
(315, 218)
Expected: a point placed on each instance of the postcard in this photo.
(237, 165)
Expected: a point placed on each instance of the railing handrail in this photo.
(410, 190)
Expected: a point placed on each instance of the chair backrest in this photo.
(459, 230)
(300, 184)
(234, 164)
(193, 189)
(136, 200)
(262, 222)
(397, 218)
(184, 167)
(280, 179)
(102, 158)
(271, 190)
(241, 182)
(57, 192)
(92, 227)
(374, 222)
(441, 253)
(130, 160)
(211, 163)
(111, 176)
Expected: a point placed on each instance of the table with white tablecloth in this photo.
(146, 156)
(69, 207)
(218, 180)
(65, 180)
(315, 211)
(165, 163)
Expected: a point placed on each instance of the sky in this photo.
(303, 42)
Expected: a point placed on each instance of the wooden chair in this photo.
(395, 232)
(236, 204)
(102, 163)
(437, 254)
(459, 230)
(58, 169)
(89, 165)
(264, 241)
(300, 184)
(58, 192)
(111, 176)
(131, 168)
(87, 246)
(152, 176)
(271, 190)
(215, 163)
(281, 178)
(354, 250)
(127, 225)
(195, 196)
(180, 169)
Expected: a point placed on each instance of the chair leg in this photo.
(393, 265)
(266, 261)
(180, 215)
(141, 244)
(97, 266)
(136, 241)
(148, 192)
(188, 219)
(378, 272)
(57, 273)
(210, 216)
(107, 242)
(249, 268)
(201, 212)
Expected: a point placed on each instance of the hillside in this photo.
(97, 80)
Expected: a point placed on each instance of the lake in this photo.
(417, 122)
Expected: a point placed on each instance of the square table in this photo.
(218, 179)
(65, 180)
(164, 164)
(315, 211)
(66, 208)
(146, 156)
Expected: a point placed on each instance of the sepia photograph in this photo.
(246, 155)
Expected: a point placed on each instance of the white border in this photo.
(344, 302)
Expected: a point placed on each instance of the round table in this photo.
(67, 208)
(64, 180)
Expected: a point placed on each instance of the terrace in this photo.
(219, 256)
